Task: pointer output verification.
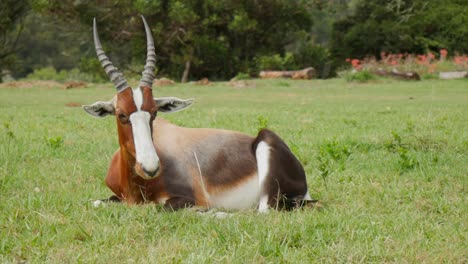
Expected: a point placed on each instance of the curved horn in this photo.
(148, 73)
(115, 76)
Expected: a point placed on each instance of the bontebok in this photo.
(180, 167)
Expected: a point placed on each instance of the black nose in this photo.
(151, 173)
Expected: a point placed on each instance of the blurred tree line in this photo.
(219, 39)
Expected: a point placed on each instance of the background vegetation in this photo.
(220, 39)
(387, 159)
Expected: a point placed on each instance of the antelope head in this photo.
(135, 109)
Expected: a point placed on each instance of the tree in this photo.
(212, 38)
(11, 12)
(413, 26)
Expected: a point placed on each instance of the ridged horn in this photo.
(148, 72)
(115, 76)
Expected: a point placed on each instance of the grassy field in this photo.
(388, 160)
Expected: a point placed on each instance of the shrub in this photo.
(303, 56)
(276, 62)
(262, 122)
(54, 142)
(91, 69)
(48, 73)
(242, 76)
(427, 65)
(360, 76)
(316, 56)
(332, 157)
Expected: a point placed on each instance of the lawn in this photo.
(388, 160)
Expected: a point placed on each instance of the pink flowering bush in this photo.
(423, 64)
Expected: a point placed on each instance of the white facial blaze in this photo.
(140, 120)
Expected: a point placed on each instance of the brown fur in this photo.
(198, 163)
(286, 180)
(179, 176)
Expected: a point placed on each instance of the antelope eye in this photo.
(123, 118)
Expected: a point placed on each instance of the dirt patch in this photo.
(163, 82)
(203, 81)
(75, 84)
(31, 84)
(241, 84)
(73, 104)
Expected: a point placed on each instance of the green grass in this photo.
(387, 159)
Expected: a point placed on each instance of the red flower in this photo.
(355, 62)
(458, 60)
(443, 52)
(431, 55)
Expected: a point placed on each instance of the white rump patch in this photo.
(307, 197)
(263, 204)
(263, 163)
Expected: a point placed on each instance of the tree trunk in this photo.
(400, 75)
(186, 72)
(307, 73)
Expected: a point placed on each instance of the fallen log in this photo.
(306, 74)
(453, 75)
(400, 75)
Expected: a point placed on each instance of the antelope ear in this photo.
(171, 104)
(100, 109)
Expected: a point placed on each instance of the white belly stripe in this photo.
(244, 196)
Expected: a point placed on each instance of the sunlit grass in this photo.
(387, 159)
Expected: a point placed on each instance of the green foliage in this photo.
(359, 76)
(54, 142)
(262, 122)
(49, 73)
(310, 55)
(11, 15)
(92, 69)
(276, 62)
(242, 76)
(397, 26)
(302, 56)
(49, 42)
(407, 160)
(396, 142)
(217, 39)
(332, 156)
(8, 131)
(430, 76)
(241, 22)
